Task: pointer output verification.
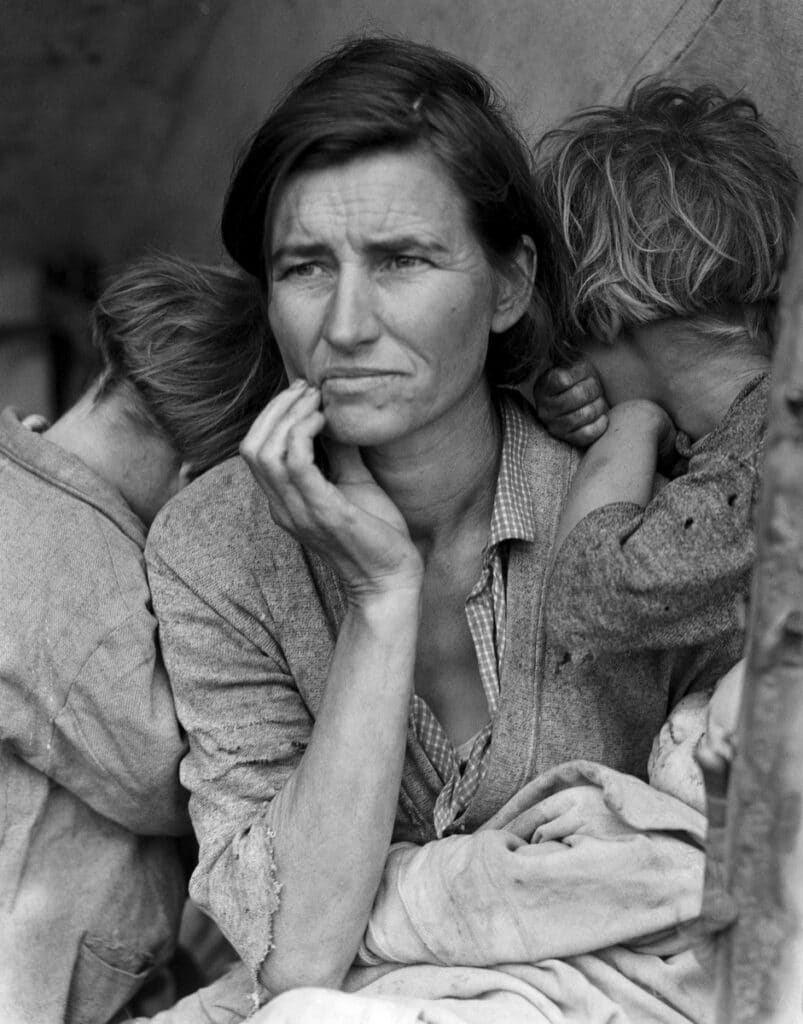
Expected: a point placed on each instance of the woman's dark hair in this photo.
(189, 348)
(386, 93)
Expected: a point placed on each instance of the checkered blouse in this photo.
(485, 611)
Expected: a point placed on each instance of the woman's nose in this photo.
(350, 317)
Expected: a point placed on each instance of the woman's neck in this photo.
(443, 479)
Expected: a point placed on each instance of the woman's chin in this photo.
(360, 428)
(357, 435)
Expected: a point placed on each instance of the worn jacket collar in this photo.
(66, 471)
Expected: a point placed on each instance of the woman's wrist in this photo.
(386, 602)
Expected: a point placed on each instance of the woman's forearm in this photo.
(333, 820)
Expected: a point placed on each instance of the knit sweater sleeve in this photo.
(246, 722)
(673, 574)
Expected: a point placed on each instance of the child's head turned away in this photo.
(677, 205)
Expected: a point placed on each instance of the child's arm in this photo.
(620, 466)
(663, 572)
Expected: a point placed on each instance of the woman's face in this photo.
(381, 295)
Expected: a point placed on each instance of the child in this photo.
(677, 211)
(91, 807)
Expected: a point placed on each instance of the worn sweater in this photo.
(676, 573)
(249, 621)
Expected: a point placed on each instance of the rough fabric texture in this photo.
(248, 624)
(494, 928)
(497, 897)
(677, 572)
(592, 989)
(91, 887)
(542, 916)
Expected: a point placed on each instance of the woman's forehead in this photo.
(374, 197)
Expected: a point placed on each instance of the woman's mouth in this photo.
(356, 380)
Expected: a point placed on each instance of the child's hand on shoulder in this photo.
(570, 403)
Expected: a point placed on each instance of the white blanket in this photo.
(502, 928)
(496, 928)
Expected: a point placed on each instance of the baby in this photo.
(698, 737)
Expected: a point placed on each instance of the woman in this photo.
(361, 659)
(91, 810)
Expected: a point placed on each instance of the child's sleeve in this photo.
(673, 574)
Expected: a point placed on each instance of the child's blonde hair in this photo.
(189, 346)
(678, 204)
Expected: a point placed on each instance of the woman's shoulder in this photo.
(220, 503)
(545, 465)
(221, 519)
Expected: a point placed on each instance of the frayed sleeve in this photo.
(247, 727)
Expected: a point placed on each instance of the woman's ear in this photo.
(515, 286)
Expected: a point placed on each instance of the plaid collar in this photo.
(512, 517)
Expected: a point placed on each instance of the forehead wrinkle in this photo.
(370, 215)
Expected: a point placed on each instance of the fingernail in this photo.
(298, 384)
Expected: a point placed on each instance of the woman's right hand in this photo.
(350, 521)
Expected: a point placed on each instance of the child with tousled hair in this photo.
(91, 807)
(677, 211)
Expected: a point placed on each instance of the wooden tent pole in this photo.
(760, 958)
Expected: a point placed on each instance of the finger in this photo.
(557, 829)
(273, 414)
(587, 393)
(582, 416)
(586, 435)
(571, 376)
(267, 457)
(551, 807)
(345, 463)
(295, 478)
(299, 454)
(266, 441)
(562, 378)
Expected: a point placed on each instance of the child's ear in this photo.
(515, 286)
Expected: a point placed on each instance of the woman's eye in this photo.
(301, 270)
(406, 261)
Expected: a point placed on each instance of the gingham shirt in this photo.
(485, 611)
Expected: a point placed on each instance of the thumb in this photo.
(345, 463)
